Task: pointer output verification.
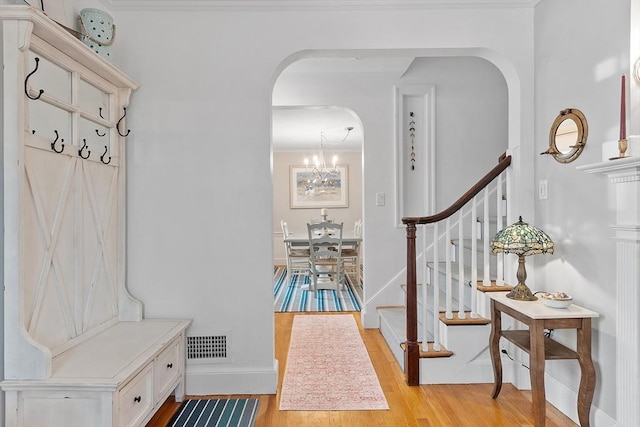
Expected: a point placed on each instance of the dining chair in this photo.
(325, 252)
(297, 257)
(351, 256)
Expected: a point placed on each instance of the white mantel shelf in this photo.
(625, 175)
(614, 167)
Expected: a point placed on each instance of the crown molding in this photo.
(311, 5)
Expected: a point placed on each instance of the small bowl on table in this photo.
(556, 299)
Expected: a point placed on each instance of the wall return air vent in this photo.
(207, 348)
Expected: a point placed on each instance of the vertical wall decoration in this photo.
(412, 137)
(415, 152)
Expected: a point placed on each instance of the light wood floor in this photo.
(427, 405)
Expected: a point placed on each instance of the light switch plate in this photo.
(380, 199)
(543, 189)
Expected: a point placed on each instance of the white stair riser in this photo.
(393, 341)
(470, 362)
(454, 286)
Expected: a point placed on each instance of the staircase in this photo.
(441, 334)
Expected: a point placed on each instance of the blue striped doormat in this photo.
(291, 297)
(216, 413)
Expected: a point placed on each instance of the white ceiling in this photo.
(298, 128)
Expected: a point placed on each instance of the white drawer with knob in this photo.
(168, 369)
(117, 378)
(136, 398)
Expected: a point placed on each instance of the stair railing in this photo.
(478, 229)
(463, 208)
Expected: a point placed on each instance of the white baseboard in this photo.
(563, 398)
(208, 380)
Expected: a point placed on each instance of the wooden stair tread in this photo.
(468, 320)
(382, 307)
(493, 288)
(467, 244)
(481, 287)
(431, 353)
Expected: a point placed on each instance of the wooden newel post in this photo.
(412, 348)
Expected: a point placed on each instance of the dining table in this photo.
(302, 239)
(349, 239)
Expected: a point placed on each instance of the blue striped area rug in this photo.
(290, 297)
(216, 413)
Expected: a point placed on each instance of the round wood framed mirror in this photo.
(568, 136)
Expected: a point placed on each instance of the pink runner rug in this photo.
(328, 367)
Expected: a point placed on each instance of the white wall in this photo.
(582, 48)
(199, 157)
(200, 201)
(199, 169)
(200, 214)
(471, 120)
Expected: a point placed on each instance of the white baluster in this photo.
(449, 293)
(485, 240)
(436, 293)
(424, 313)
(461, 282)
(474, 256)
(499, 215)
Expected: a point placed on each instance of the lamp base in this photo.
(521, 293)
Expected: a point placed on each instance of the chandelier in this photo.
(321, 174)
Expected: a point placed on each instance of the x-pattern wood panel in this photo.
(50, 234)
(101, 219)
(81, 201)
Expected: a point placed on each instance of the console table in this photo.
(540, 348)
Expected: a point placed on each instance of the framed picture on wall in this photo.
(307, 191)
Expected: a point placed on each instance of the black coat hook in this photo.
(104, 154)
(118, 124)
(26, 82)
(53, 144)
(83, 147)
(98, 133)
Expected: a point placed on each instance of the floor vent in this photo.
(207, 348)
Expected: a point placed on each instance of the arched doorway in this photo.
(371, 95)
(300, 133)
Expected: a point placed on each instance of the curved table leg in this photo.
(588, 372)
(536, 371)
(494, 349)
